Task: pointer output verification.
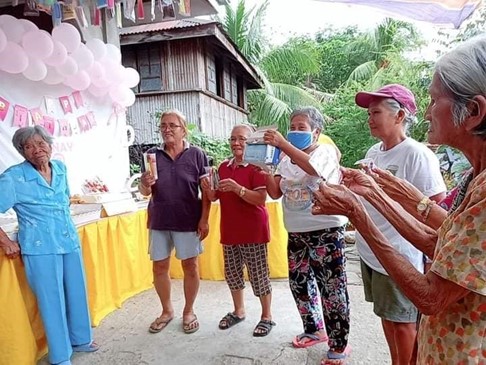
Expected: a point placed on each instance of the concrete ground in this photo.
(125, 340)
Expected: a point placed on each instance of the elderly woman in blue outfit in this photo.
(37, 189)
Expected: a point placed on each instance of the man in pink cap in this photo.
(391, 110)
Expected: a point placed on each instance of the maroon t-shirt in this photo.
(175, 205)
(242, 222)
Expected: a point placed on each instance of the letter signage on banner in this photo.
(4, 106)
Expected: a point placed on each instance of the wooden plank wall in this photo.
(141, 115)
(217, 118)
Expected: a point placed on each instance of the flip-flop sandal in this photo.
(229, 320)
(263, 328)
(87, 347)
(159, 324)
(191, 326)
(337, 358)
(313, 340)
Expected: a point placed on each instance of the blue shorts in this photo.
(161, 244)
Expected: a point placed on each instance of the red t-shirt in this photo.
(242, 222)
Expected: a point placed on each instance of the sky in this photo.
(286, 18)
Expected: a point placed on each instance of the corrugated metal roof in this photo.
(171, 24)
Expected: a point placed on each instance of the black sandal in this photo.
(263, 328)
(229, 320)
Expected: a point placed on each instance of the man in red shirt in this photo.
(244, 231)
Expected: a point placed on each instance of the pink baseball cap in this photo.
(395, 91)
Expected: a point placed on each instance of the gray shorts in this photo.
(161, 244)
(389, 302)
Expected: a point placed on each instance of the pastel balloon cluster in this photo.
(61, 58)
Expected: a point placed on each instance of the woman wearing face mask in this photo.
(315, 243)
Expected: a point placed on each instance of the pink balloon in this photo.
(123, 96)
(58, 56)
(68, 68)
(79, 81)
(53, 77)
(36, 70)
(131, 77)
(83, 57)
(97, 91)
(97, 47)
(96, 71)
(38, 43)
(3, 40)
(114, 72)
(13, 29)
(13, 59)
(68, 35)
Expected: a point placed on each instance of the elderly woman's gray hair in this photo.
(462, 74)
(22, 135)
(394, 106)
(314, 116)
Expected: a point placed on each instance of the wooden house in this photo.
(190, 65)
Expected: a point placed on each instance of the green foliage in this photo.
(217, 149)
(244, 26)
(337, 60)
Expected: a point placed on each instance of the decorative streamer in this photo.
(444, 12)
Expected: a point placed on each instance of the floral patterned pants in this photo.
(317, 277)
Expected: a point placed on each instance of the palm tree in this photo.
(273, 104)
(389, 39)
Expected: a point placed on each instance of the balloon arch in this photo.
(61, 58)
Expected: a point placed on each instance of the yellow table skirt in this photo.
(117, 267)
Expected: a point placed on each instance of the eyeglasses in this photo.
(170, 126)
(237, 139)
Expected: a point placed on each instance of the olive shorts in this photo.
(389, 302)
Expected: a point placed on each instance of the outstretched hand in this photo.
(335, 199)
(358, 182)
(396, 188)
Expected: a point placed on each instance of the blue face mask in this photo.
(300, 139)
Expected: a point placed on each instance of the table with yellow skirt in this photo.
(117, 267)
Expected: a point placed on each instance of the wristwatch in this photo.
(242, 191)
(423, 204)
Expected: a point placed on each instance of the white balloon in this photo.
(68, 68)
(53, 77)
(97, 47)
(113, 53)
(3, 40)
(38, 44)
(83, 57)
(13, 29)
(131, 77)
(36, 70)
(28, 25)
(68, 35)
(5, 18)
(80, 81)
(58, 56)
(129, 98)
(13, 59)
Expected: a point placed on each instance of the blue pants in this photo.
(59, 286)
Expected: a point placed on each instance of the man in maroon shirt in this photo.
(244, 231)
